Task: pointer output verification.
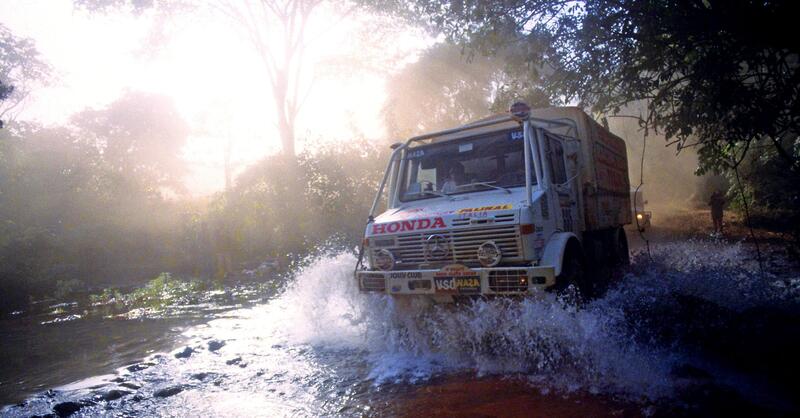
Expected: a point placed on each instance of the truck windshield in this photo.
(485, 162)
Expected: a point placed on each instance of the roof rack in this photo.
(562, 122)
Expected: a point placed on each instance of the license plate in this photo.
(462, 284)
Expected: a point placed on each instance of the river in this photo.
(695, 331)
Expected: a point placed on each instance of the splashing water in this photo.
(409, 340)
(612, 345)
(324, 348)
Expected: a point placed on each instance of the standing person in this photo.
(717, 203)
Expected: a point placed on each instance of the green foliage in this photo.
(67, 211)
(714, 74)
(66, 287)
(139, 138)
(21, 70)
(72, 206)
(159, 292)
(281, 207)
(446, 88)
(5, 92)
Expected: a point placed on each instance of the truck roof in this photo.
(572, 115)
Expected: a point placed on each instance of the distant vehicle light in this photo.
(384, 260)
(639, 216)
(489, 254)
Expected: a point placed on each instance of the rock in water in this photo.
(115, 394)
(167, 392)
(137, 367)
(185, 353)
(215, 345)
(65, 409)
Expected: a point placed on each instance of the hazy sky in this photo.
(211, 73)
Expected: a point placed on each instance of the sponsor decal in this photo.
(458, 285)
(457, 278)
(406, 275)
(484, 209)
(404, 226)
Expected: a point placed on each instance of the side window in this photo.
(558, 171)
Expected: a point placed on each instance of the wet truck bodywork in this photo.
(508, 205)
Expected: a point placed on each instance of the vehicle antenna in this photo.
(636, 193)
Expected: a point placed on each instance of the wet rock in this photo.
(200, 376)
(130, 385)
(215, 345)
(114, 394)
(232, 361)
(185, 353)
(137, 367)
(65, 409)
(167, 392)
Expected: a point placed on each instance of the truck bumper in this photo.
(458, 281)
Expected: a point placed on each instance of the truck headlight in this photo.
(489, 254)
(384, 259)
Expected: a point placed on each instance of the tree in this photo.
(21, 69)
(719, 75)
(445, 88)
(5, 91)
(279, 32)
(140, 136)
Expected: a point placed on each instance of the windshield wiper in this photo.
(430, 192)
(487, 184)
(435, 193)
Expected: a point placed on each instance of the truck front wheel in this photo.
(570, 283)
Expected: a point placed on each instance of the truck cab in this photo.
(496, 207)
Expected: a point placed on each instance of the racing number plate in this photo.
(461, 284)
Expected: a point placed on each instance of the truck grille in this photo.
(462, 244)
(508, 280)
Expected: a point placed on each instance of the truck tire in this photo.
(621, 257)
(571, 283)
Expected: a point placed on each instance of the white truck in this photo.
(508, 205)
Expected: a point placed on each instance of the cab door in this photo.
(564, 156)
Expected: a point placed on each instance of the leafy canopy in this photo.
(720, 75)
